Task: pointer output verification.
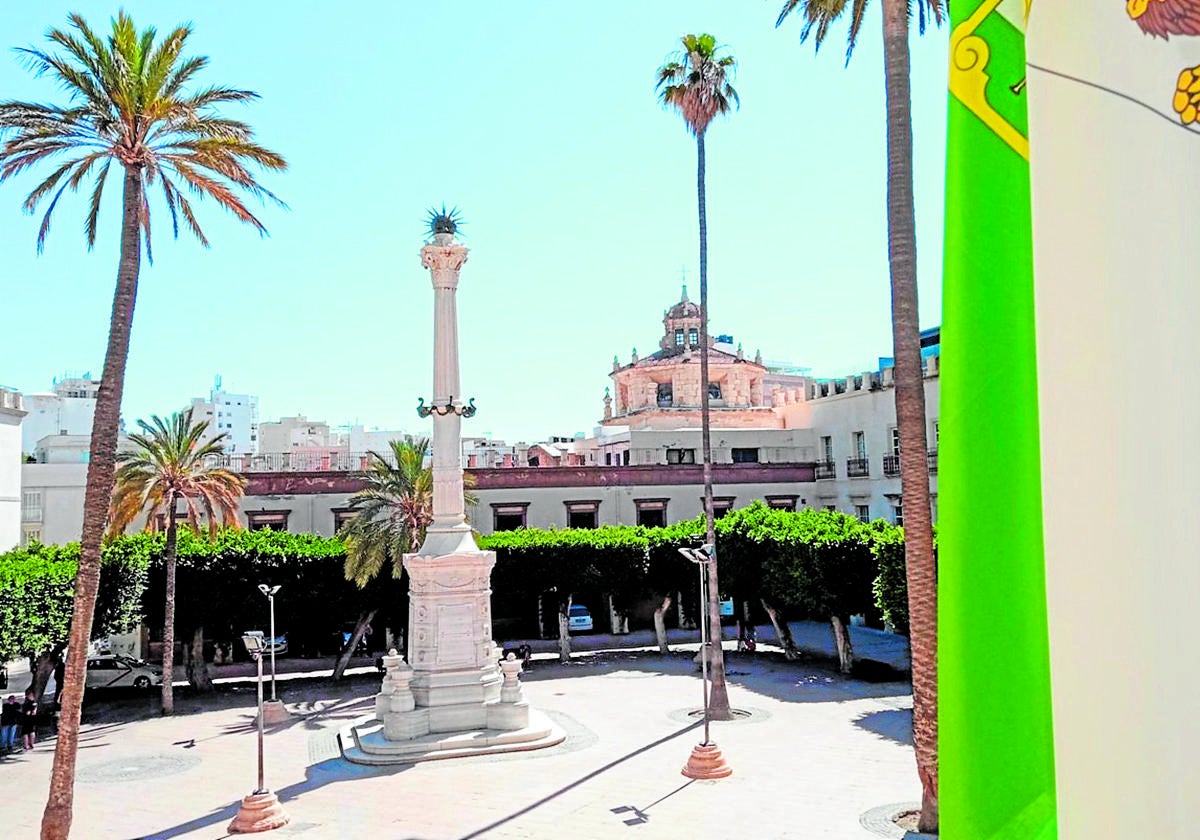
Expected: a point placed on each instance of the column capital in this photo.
(444, 261)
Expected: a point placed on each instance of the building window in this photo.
(681, 456)
(863, 512)
(31, 534)
(625, 458)
(261, 520)
(583, 514)
(895, 441)
(827, 449)
(651, 513)
(721, 505)
(608, 459)
(534, 461)
(860, 445)
(781, 502)
(678, 338)
(935, 434)
(745, 456)
(714, 390)
(341, 516)
(898, 513)
(510, 516)
(665, 395)
(693, 339)
(831, 508)
(31, 506)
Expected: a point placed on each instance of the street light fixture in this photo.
(260, 811)
(270, 591)
(706, 761)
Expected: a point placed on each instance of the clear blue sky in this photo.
(538, 120)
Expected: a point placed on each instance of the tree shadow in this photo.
(891, 724)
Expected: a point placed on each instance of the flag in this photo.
(995, 742)
(1115, 155)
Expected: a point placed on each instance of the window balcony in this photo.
(826, 469)
(931, 461)
(858, 467)
(891, 465)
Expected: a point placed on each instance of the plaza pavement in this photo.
(816, 752)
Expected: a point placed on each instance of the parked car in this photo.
(579, 620)
(114, 671)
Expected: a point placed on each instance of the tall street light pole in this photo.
(273, 711)
(260, 811)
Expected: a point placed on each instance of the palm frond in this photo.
(696, 82)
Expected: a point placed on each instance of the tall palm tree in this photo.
(920, 570)
(169, 463)
(391, 515)
(696, 82)
(126, 101)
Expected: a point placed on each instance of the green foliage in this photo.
(37, 594)
(891, 584)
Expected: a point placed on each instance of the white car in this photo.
(113, 671)
(579, 620)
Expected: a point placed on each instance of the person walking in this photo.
(29, 711)
(9, 714)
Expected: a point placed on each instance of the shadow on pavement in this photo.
(892, 724)
(582, 780)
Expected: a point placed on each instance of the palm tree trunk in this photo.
(56, 819)
(842, 644)
(718, 699)
(343, 661)
(910, 407)
(168, 668)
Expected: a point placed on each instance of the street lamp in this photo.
(270, 591)
(706, 761)
(260, 811)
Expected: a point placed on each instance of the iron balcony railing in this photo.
(826, 469)
(891, 465)
(858, 467)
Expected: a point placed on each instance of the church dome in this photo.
(685, 308)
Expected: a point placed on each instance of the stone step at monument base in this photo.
(363, 742)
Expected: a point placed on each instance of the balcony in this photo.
(858, 467)
(826, 469)
(891, 465)
(931, 461)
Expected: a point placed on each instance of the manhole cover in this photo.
(136, 768)
(882, 820)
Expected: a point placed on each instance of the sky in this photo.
(539, 121)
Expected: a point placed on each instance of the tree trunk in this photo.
(910, 407)
(618, 620)
(660, 626)
(40, 669)
(168, 667)
(564, 630)
(783, 633)
(197, 668)
(842, 643)
(718, 699)
(57, 816)
(364, 619)
(684, 624)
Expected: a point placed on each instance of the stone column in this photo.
(450, 624)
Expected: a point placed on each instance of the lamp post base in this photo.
(275, 712)
(259, 812)
(706, 762)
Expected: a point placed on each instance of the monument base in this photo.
(365, 742)
(275, 712)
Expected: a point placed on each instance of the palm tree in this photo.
(391, 515)
(696, 82)
(126, 102)
(169, 463)
(906, 342)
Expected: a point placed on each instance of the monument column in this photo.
(450, 624)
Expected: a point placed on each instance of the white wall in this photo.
(61, 487)
(50, 414)
(11, 416)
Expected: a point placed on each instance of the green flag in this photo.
(996, 750)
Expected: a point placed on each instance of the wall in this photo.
(11, 416)
(61, 486)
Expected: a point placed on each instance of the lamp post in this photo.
(273, 711)
(260, 811)
(706, 761)
(270, 591)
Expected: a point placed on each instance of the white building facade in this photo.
(12, 413)
(67, 409)
(232, 415)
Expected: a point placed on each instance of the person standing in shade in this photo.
(10, 711)
(60, 673)
(29, 711)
